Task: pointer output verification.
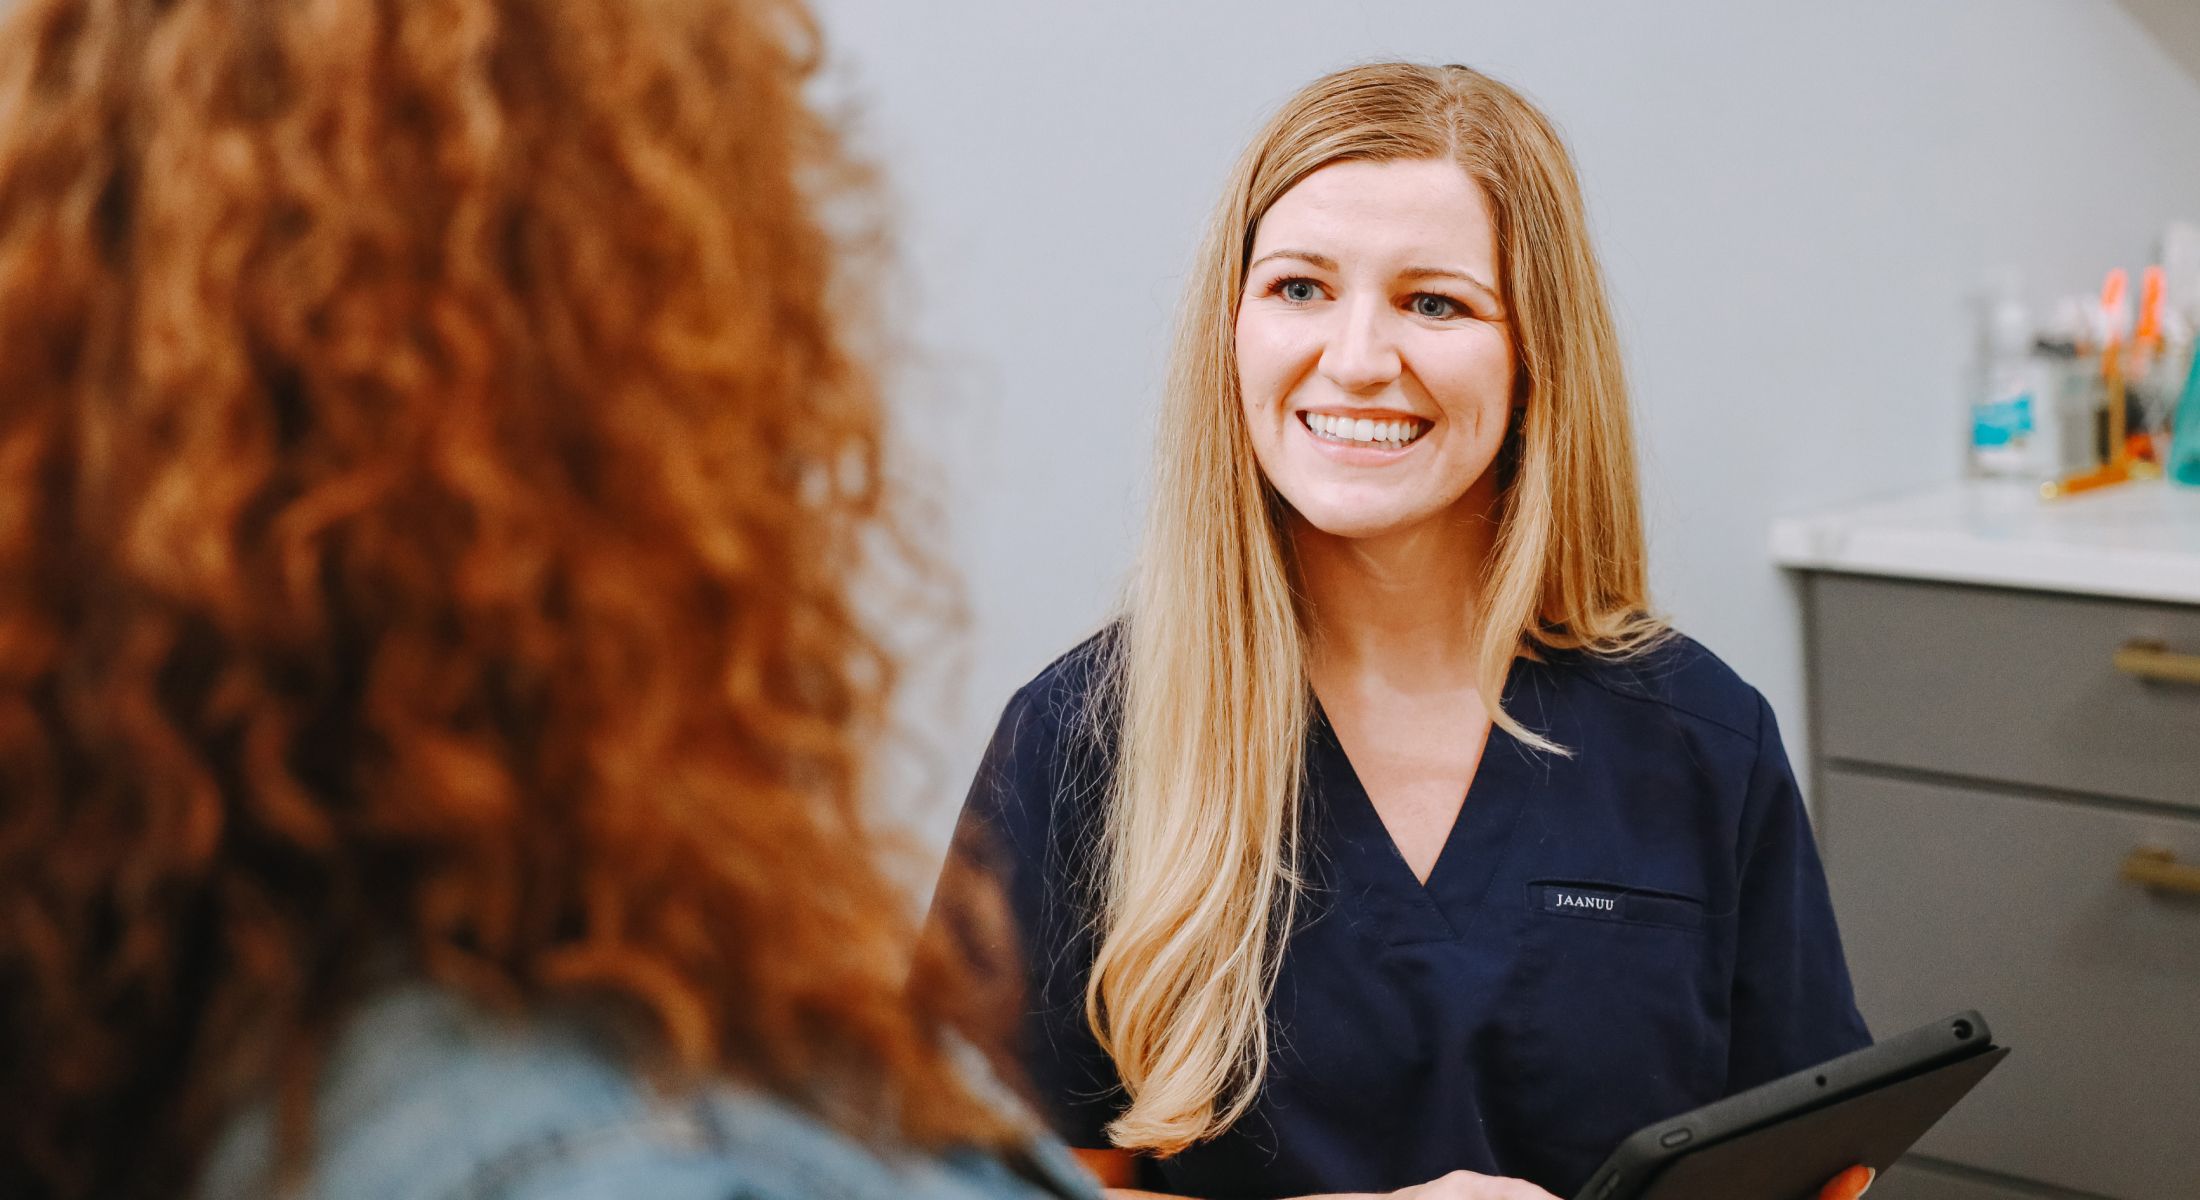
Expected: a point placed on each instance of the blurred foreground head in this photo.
(435, 459)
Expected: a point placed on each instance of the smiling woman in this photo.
(1390, 842)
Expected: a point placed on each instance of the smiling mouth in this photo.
(1391, 433)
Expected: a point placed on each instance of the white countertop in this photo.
(2138, 540)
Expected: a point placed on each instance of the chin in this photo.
(1356, 521)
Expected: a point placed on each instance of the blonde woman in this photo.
(1389, 843)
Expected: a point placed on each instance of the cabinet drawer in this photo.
(1951, 898)
(2005, 685)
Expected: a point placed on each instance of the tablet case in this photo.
(1793, 1159)
(1862, 1108)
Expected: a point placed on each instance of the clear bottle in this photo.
(2015, 434)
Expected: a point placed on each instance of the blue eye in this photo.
(1298, 291)
(1435, 307)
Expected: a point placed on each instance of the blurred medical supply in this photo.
(2012, 432)
(2100, 392)
(2184, 448)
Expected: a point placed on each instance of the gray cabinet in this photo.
(1992, 767)
(2019, 688)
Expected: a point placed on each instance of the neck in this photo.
(1402, 604)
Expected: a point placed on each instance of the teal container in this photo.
(2184, 442)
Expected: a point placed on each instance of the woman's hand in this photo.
(1466, 1185)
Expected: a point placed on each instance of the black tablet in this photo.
(1784, 1140)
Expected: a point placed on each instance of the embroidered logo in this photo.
(1580, 901)
(1608, 902)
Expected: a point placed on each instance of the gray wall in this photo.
(1793, 202)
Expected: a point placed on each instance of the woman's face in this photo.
(1372, 355)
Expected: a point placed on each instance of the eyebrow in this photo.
(1323, 261)
(1326, 263)
(1448, 273)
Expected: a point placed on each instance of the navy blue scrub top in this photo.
(1606, 939)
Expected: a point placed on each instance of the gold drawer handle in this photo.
(2157, 869)
(2152, 660)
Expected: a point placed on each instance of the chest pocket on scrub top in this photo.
(1619, 1008)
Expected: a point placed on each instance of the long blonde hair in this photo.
(1196, 879)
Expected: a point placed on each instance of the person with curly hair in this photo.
(437, 461)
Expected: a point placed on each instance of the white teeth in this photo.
(1363, 429)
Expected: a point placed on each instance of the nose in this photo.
(1361, 355)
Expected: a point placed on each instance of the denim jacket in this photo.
(426, 1098)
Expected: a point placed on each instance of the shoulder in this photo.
(425, 1095)
(1676, 676)
(1056, 736)
(1075, 692)
(1038, 800)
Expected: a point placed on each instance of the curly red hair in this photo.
(435, 473)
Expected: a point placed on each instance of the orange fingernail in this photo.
(1849, 1184)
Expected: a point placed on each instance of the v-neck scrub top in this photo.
(1606, 939)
